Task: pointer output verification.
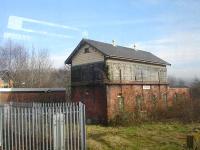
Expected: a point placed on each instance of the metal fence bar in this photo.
(67, 130)
(33, 126)
(1, 127)
(25, 128)
(8, 131)
(15, 129)
(42, 126)
(5, 127)
(22, 121)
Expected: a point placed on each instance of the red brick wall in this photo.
(94, 98)
(129, 92)
(32, 96)
(183, 91)
(102, 102)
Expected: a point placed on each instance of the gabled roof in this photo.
(119, 52)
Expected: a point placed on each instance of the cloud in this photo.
(16, 36)
(16, 23)
(180, 49)
(45, 33)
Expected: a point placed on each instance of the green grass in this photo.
(147, 136)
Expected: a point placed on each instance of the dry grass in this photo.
(147, 136)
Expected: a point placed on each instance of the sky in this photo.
(169, 29)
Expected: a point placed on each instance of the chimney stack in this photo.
(134, 46)
(113, 43)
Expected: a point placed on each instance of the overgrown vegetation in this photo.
(182, 109)
(145, 136)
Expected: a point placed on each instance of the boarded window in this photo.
(138, 74)
(164, 97)
(154, 100)
(175, 97)
(89, 73)
(139, 102)
(178, 97)
(163, 75)
(120, 102)
(86, 50)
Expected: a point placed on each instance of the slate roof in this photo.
(119, 52)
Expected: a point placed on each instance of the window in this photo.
(178, 97)
(86, 50)
(138, 74)
(163, 75)
(164, 97)
(120, 102)
(175, 97)
(139, 102)
(154, 100)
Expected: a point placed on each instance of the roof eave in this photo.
(69, 59)
(137, 60)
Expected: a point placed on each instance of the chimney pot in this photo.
(113, 43)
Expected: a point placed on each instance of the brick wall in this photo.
(94, 98)
(32, 96)
(172, 92)
(102, 100)
(129, 92)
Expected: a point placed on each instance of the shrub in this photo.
(125, 118)
(182, 110)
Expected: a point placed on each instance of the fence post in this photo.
(190, 141)
(1, 127)
(84, 127)
(82, 124)
(58, 124)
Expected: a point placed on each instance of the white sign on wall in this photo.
(146, 87)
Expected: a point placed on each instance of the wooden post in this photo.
(190, 141)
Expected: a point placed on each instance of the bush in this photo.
(182, 110)
(122, 119)
(125, 118)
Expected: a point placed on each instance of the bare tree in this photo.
(27, 69)
(32, 68)
(40, 68)
(195, 89)
(14, 59)
(176, 82)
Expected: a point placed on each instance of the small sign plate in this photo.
(146, 87)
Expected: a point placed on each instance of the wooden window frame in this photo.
(86, 50)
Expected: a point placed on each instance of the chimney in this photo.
(134, 46)
(113, 43)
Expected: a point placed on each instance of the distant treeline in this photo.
(31, 68)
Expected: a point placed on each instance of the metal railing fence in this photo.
(42, 126)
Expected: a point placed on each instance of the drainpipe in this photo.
(120, 77)
(159, 84)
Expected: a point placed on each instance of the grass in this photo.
(147, 136)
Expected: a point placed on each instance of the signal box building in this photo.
(109, 78)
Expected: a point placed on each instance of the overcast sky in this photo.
(168, 28)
